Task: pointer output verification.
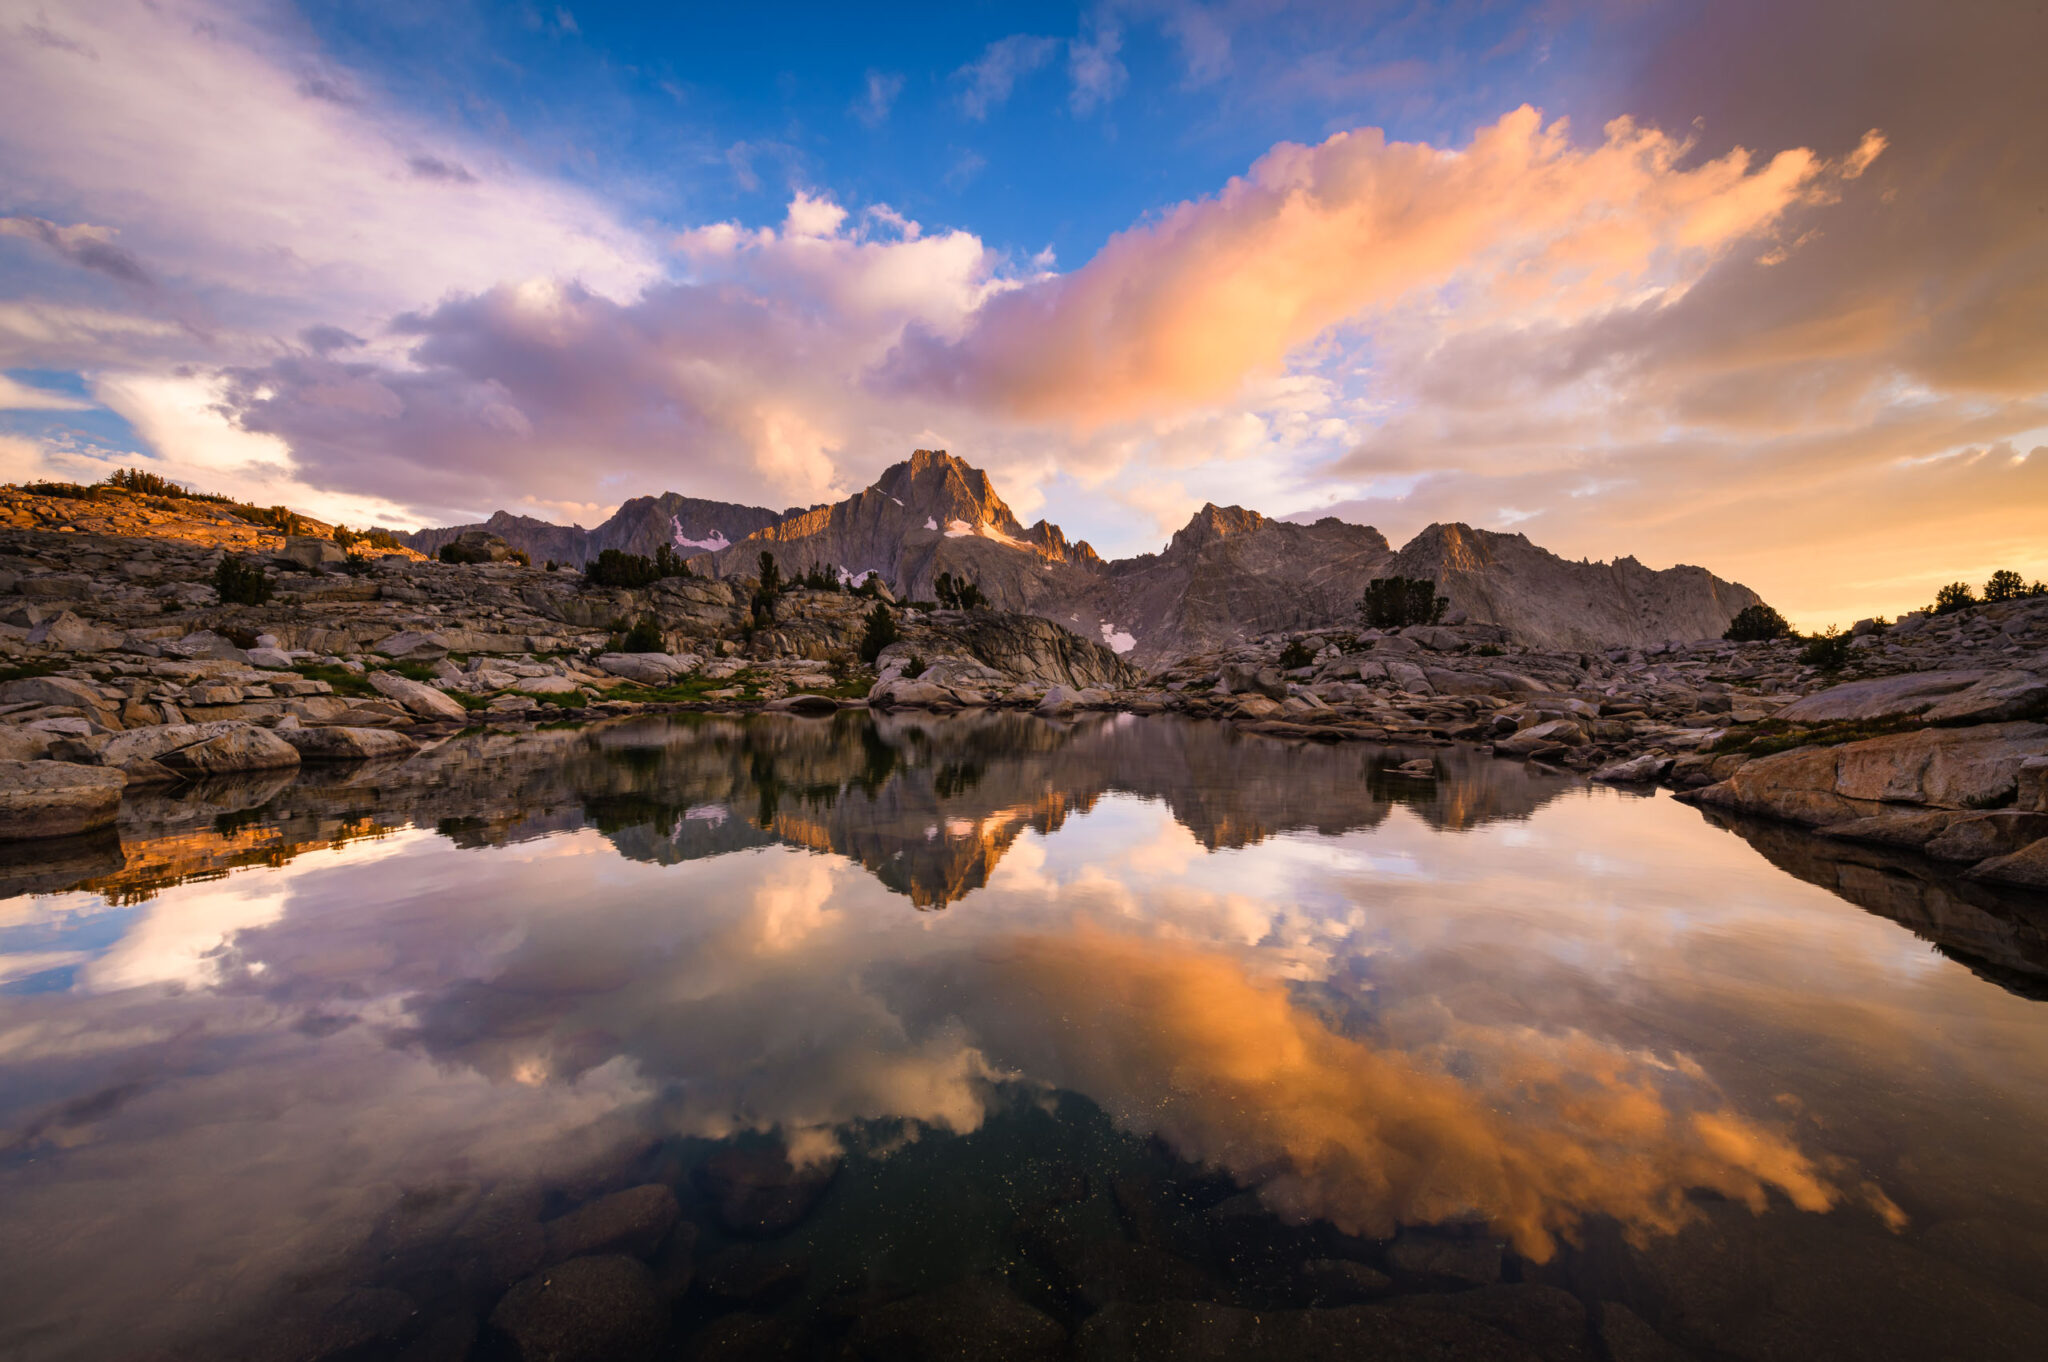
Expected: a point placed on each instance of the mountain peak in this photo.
(947, 491)
(1215, 522)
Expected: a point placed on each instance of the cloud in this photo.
(83, 244)
(21, 397)
(1181, 311)
(1536, 1133)
(1096, 73)
(989, 80)
(434, 168)
(878, 96)
(748, 376)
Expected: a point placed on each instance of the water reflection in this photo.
(277, 1029)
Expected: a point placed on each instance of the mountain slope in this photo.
(689, 524)
(1553, 602)
(1229, 575)
(931, 513)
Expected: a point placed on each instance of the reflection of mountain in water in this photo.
(927, 804)
(1998, 934)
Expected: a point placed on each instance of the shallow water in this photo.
(1061, 1027)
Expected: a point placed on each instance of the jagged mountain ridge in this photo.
(1230, 574)
(688, 524)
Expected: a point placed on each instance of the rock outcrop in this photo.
(41, 799)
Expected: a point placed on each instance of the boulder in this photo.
(71, 634)
(2002, 695)
(1550, 733)
(346, 744)
(242, 747)
(1643, 770)
(970, 1320)
(649, 669)
(270, 659)
(413, 645)
(1057, 700)
(476, 546)
(804, 703)
(56, 798)
(913, 693)
(417, 697)
(547, 685)
(56, 690)
(1882, 697)
(598, 1309)
(1942, 768)
(204, 644)
(310, 553)
(19, 743)
(634, 1221)
(756, 1191)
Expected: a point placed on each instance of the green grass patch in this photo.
(413, 671)
(570, 700)
(1771, 736)
(344, 681)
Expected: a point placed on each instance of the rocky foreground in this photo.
(125, 670)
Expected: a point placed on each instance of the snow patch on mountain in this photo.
(716, 542)
(1119, 640)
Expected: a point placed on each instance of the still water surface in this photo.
(984, 1036)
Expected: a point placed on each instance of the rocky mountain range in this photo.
(690, 524)
(1228, 575)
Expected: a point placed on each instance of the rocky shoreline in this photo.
(125, 669)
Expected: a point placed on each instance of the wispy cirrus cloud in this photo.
(987, 82)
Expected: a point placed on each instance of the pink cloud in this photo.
(1182, 310)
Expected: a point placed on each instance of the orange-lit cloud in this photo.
(1229, 1070)
(1182, 310)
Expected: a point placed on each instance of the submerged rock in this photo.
(600, 1309)
(757, 1191)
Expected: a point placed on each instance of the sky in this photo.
(1761, 287)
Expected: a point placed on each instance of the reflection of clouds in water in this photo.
(496, 1006)
(1186, 1044)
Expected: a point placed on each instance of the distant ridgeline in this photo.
(1228, 575)
(687, 524)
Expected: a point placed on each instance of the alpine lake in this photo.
(984, 1036)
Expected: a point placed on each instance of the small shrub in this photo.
(915, 667)
(880, 633)
(1828, 651)
(669, 563)
(521, 557)
(1757, 624)
(616, 567)
(240, 582)
(1391, 602)
(957, 593)
(1490, 650)
(644, 637)
(2005, 585)
(456, 552)
(1951, 598)
(550, 567)
(1296, 654)
(144, 483)
(357, 565)
(379, 538)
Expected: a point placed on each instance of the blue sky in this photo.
(1637, 277)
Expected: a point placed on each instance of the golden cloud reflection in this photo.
(1544, 1132)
